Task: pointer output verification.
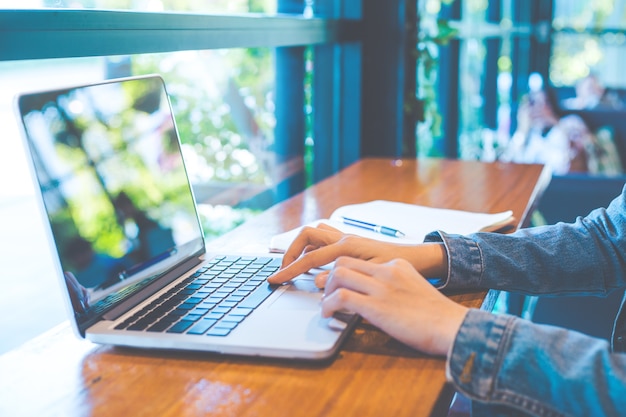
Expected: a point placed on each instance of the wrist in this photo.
(430, 260)
(452, 329)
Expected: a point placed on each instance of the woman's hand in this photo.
(397, 299)
(318, 246)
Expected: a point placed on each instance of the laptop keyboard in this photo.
(213, 301)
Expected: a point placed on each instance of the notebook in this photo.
(401, 217)
(127, 242)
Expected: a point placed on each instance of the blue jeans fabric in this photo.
(510, 366)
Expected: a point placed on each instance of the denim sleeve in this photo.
(504, 362)
(584, 257)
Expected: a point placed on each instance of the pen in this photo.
(373, 227)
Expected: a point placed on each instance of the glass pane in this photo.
(589, 14)
(204, 6)
(586, 80)
(577, 55)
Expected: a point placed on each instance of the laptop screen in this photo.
(109, 166)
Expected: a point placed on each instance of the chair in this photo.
(566, 198)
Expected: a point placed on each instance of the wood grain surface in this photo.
(58, 374)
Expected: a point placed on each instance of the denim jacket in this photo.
(510, 366)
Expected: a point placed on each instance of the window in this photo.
(588, 39)
(245, 90)
(533, 81)
(475, 59)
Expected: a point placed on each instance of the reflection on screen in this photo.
(113, 182)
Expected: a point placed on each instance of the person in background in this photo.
(546, 137)
(592, 95)
(506, 365)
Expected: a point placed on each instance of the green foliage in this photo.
(205, 121)
(217, 220)
(203, 87)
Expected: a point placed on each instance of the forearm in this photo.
(500, 359)
(429, 259)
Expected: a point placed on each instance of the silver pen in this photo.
(373, 227)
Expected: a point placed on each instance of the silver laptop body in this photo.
(127, 242)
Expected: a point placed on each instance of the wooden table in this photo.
(58, 374)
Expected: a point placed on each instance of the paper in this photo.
(413, 220)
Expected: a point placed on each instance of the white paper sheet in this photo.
(413, 220)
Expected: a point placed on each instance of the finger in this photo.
(310, 248)
(343, 277)
(321, 278)
(309, 237)
(360, 266)
(344, 300)
(325, 226)
(304, 263)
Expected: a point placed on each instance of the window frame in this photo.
(60, 33)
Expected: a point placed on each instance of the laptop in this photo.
(127, 242)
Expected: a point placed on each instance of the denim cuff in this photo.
(477, 353)
(465, 261)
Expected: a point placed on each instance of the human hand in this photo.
(395, 298)
(318, 246)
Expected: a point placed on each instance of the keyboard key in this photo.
(193, 287)
(227, 303)
(159, 327)
(178, 312)
(218, 332)
(193, 317)
(233, 318)
(208, 304)
(223, 324)
(186, 306)
(257, 297)
(262, 260)
(202, 326)
(240, 311)
(214, 315)
(181, 326)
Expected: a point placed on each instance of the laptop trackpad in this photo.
(301, 294)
